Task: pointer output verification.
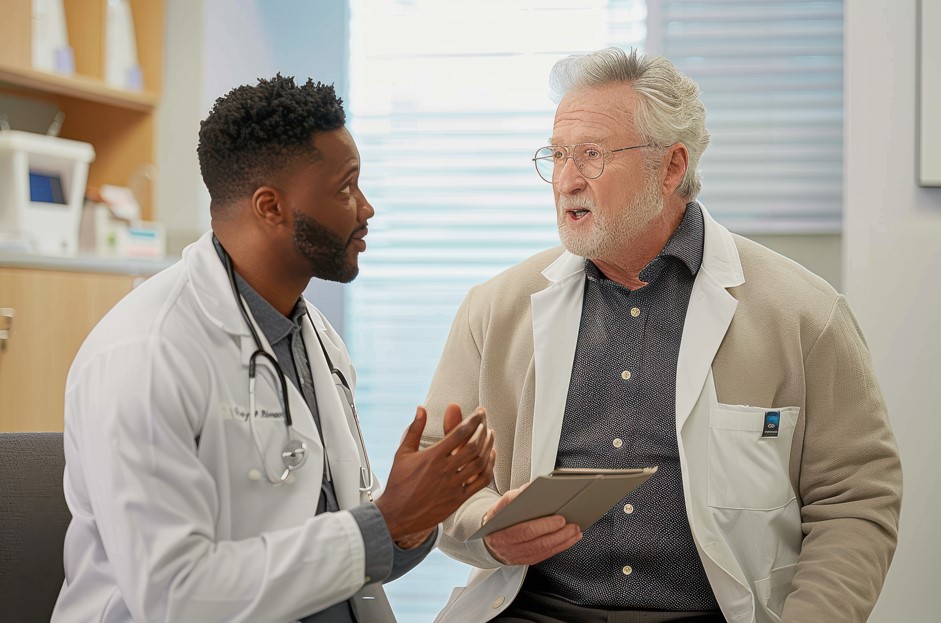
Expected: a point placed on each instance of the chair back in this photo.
(33, 521)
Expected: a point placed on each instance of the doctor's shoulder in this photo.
(141, 314)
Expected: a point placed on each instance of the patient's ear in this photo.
(675, 163)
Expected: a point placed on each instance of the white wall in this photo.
(181, 196)
(892, 271)
(213, 46)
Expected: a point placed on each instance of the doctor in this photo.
(656, 337)
(215, 466)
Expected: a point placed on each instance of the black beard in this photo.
(326, 252)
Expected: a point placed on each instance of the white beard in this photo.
(610, 232)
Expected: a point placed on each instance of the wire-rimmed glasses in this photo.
(589, 159)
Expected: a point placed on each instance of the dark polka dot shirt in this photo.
(621, 412)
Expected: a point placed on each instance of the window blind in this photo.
(449, 101)
(771, 74)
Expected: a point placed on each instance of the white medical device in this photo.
(42, 190)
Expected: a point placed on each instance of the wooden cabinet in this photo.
(55, 307)
(119, 124)
(53, 313)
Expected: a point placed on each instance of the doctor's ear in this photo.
(267, 205)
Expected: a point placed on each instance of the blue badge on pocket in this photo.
(772, 424)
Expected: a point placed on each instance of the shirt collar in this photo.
(272, 323)
(685, 245)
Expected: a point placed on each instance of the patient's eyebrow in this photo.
(585, 139)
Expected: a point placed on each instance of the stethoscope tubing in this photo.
(367, 482)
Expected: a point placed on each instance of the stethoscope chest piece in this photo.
(294, 455)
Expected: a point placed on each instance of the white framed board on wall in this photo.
(929, 93)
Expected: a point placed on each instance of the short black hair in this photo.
(253, 131)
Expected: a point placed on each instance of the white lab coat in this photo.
(163, 531)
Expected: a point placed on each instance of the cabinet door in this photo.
(53, 313)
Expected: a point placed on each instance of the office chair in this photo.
(33, 520)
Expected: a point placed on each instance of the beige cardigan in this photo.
(792, 342)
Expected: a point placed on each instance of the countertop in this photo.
(85, 263)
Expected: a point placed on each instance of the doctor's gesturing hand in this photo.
(426, 485)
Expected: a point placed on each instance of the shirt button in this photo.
(635, 312)
(627, 570)
(617, 442)
(628, 509)
(497, 602)
(626, 374)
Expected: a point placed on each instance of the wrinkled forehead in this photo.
(595, 114)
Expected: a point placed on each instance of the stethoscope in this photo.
(294, 452)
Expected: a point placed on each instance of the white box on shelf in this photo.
(42, 189)
(50, 38)
(104, 234)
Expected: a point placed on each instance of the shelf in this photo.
(77, 87)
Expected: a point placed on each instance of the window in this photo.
(771, 74)
(449, 101)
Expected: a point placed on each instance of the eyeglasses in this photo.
(589, 159)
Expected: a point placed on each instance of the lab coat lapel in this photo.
(213, 294)
(708, 316)
(342, 452)
(557, 312)
(211, 289)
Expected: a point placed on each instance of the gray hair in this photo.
(669, 109)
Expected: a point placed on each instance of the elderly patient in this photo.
(654, 336)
